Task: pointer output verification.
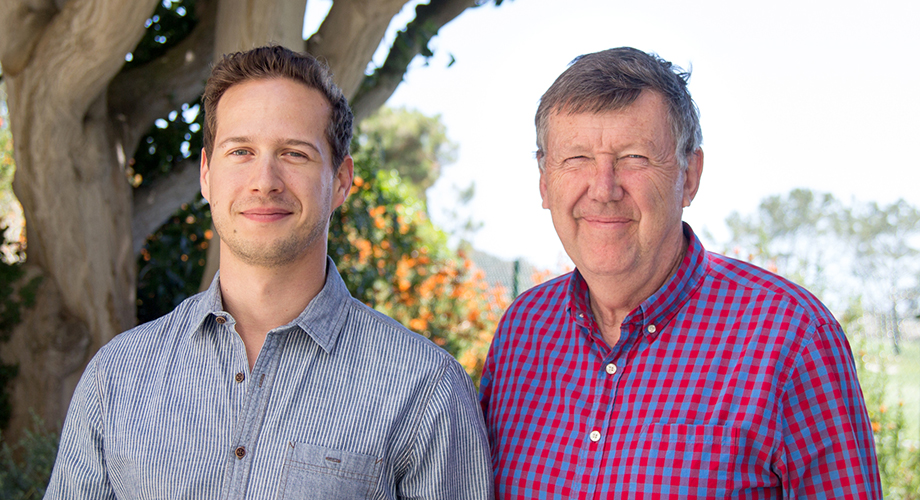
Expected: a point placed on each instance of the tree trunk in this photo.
(70, 181)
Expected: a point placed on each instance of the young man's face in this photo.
(270, 179)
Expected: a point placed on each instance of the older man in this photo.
(274, 383)
(658, 369)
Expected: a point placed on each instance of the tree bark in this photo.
(349, 36)
(71, 184)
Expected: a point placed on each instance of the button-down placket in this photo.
(244, 441)
(237, 369)
(603, 396)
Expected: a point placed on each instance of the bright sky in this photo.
(817, 94)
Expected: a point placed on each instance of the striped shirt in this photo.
(342, 402)
(728, 382)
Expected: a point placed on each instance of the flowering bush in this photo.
(395, 260)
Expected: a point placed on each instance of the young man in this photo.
(658, 369)
(275, 382)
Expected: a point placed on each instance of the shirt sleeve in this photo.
(485, 384)
(450, 457)
(79, 469)
(828, 448)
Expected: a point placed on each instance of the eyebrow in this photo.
(286, 142)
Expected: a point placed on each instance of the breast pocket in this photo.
(317, 472)
(693, 461)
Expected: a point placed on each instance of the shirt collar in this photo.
(322, 319)
(656, 311)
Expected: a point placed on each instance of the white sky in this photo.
(817, 94)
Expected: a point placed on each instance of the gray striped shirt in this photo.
(343, 402)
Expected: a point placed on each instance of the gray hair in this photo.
(613, 79)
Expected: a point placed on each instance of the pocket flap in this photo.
(335, 462)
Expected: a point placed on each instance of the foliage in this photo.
(791, 233)
(170, 23)
(898, 456)
(411, 143)
(172, 262)
(12, 239)
(15, 296)
(169, 141)
(26, 467)
(394, 259)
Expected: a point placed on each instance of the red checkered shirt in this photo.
(729, 382)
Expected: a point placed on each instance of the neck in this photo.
(613, 298)
(261, 298)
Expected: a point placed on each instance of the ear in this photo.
(692, 176)
(204, 177)
(341, 182)
(542, 180)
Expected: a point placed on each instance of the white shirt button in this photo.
(611, 368)
(595, 436)
(651, 328)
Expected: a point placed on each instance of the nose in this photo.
(605, 183)
(266, 176)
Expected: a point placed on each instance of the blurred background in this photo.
(809, 123)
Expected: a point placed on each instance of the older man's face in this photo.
(615, 189)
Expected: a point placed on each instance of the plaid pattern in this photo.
(729, 382)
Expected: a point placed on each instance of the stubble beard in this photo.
(266, 253)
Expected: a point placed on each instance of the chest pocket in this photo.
(317, 472)
(698, 461)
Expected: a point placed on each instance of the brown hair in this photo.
(278, 62)
(613, 79)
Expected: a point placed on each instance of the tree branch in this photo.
(22, 25)
(112, 27)
(139, 96)
(349, 35)
(375, 89)
(155, 203)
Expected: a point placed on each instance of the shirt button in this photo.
(611, 368)
(651, 328)
(221, 320)
(240, 452)
(595, 436)
(240, 377)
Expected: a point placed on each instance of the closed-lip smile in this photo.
(265, 214)
(602, 219)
